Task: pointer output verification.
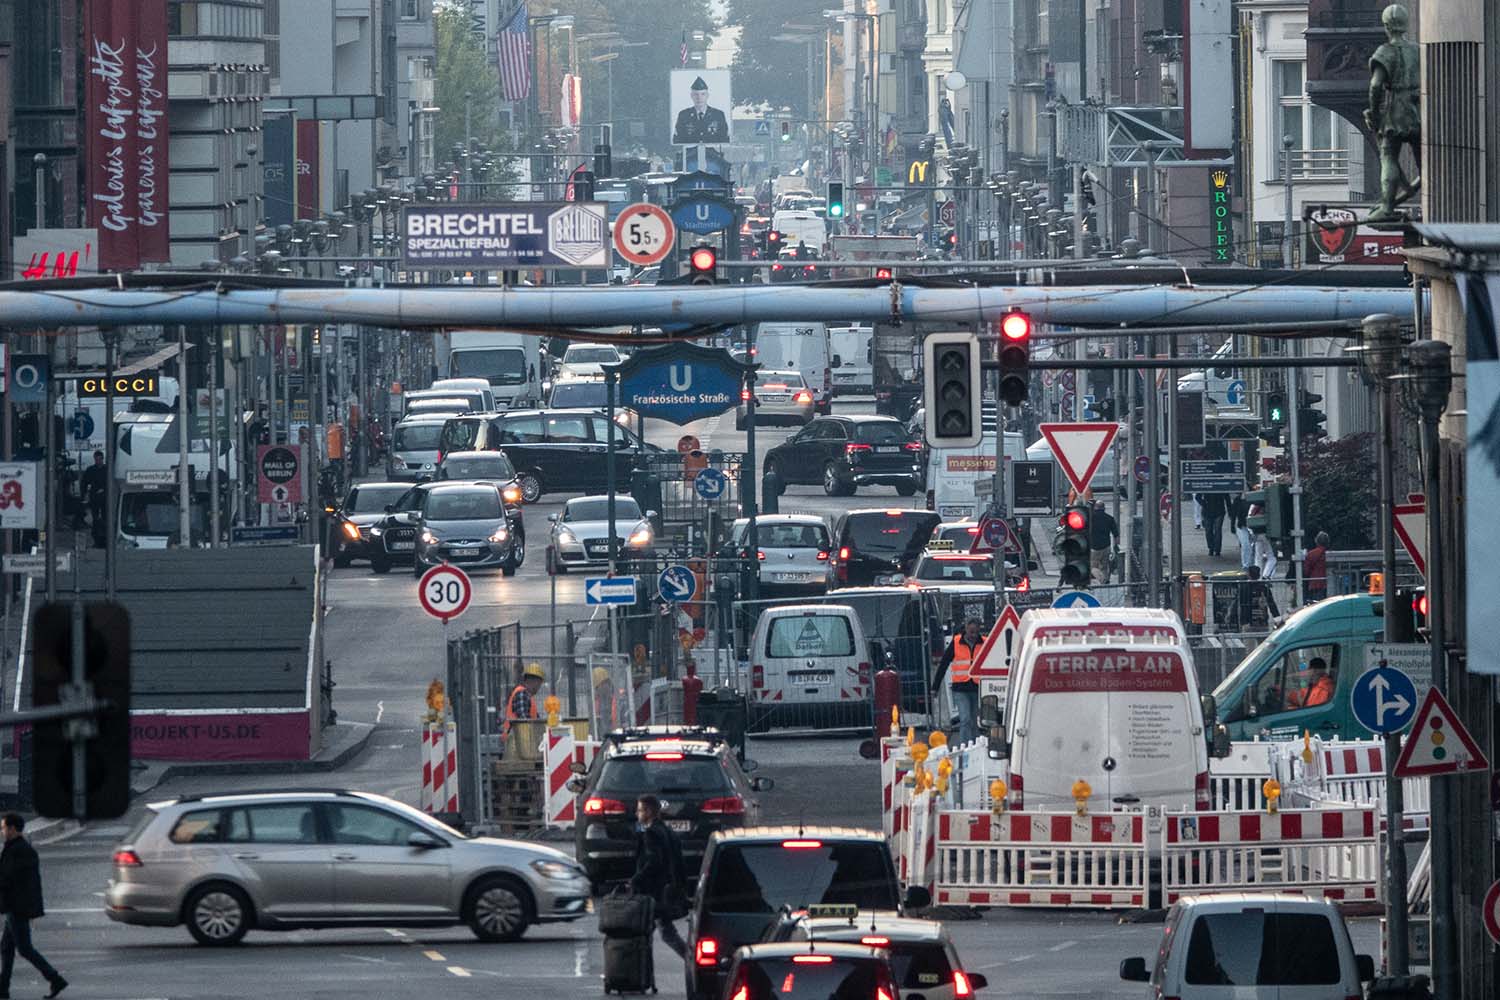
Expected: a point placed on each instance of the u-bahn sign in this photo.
(702, 213)
(680, 382)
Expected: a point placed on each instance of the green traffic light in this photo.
(835, 210)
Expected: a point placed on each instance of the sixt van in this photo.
(1271, 694)
(952, 473)
(1108, 696)
(799, 347)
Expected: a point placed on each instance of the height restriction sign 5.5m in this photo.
(644, 234)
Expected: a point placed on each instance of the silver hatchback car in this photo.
(224, 864)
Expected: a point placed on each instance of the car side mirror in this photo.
(762, 784)
(390, 508)
(578, 767)
(917, 897)
(652, 515)
(1210, 707)
(425, 841)
(977, 980)
(1220, 748)
(989, 711)
(1366, 966)
(576, 786)
(552, 518)
(1133, 970)
(750, 765)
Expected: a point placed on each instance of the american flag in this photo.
(514, 44)
(684, 49)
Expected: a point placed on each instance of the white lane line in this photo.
(436, 956)
(78, 909)
(459, 971)
(580, 955)
(365, 958)
(395, 933)
(379, 711)
(1062, 947)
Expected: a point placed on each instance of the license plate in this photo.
(680, 825)
(791, 577)
(402, 546)
(888, 449)
(463, 552)
(811, 677)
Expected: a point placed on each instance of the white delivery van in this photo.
(1108, 696)
(509, 362)
(855, 371)
(952, 473)
(801, 347)
(800, 225)
(809, 667)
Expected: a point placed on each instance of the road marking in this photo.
(1062, 947)
(459, 971)
(395, 933)
(580, 955)
(436, 956)
(379, 711)
(78, 909)
(365, 958)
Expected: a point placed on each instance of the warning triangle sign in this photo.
(1410, 522)
(1438, 742)
(998, 651)
(1079, 448)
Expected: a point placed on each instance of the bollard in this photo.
(692, 687)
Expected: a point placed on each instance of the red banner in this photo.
(126, 121)
(308, 166)
(226, 735)
(1108, 670)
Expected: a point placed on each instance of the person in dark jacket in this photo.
(659, 869)
(21, 902)
(1214, 506)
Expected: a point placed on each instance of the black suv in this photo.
(750, 875)
(553, 451)
(844, 453)
(874, 547)
(693, 770)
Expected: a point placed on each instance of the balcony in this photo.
(1326, 166)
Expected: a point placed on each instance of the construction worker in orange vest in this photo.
(606, 705)
(958, 659)
(522, 701)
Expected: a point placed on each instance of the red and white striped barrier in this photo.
(1041, 859)
(1338, 760)
(892, 750)
(439, 768)
(921, 842)
(1334, 853)
(561, 751)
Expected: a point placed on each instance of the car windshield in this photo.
(810, 635)
(889, 532)
(880, 432)
(156, 514)
(762, 878)
(491, 466)
(786, 536)
(962, 536)
(591, 394)
(460, 434)
(956, 569)
(500, 366)
(637, 775)
(1254, 948)
(591, 355)
(814, 977)
(373, 499)
(418, 437)
(469, 505)
(598, 510)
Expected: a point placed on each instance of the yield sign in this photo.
(1438, 742)
(1410, 522)
(998, 651)
(1079, 448)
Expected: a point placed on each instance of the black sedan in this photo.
(466, 524)
(363, 508)
(846, 452)
(393, 538)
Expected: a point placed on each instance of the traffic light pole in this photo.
(1294, 429)
(1152, 514)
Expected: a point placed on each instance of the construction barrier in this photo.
(1351, 773)
(1041, 859)
(1237, 782)
(560, 752)
(439, 768)
(922, 841)
(1334, 853)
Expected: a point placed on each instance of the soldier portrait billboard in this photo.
(700, 100)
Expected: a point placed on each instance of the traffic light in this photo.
(1310, 419)
(883, 274)
(703, 263)
(583, 185)
(786, 131)
(951, 390)
(835, 199)
(106, 734)
(1073, 546)
(1278, 511)
(1015, 357)
(1419, 611)
(1276, 408)
(603, 161)
(773, 243)
(1404, 606)
(950, 239)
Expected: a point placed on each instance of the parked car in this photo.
(879, 547)
(780, 397)
(466, 524)
(227, 864)
(844, 453)
(364, 506)
(694, 771)
(1259, 946)
(580, 533)
(792, 553)
(922, 956)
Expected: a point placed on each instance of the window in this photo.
(1306, 677)
(365, 825)
(568, 430)
(522, 430)
(200, 827)
(810, 635)
(761, 878)
(290, 824)
(1319, 144)
(410, 10)
(1256, 948)
(635, 775)
(469, 505)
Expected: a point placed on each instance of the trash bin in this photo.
(725, 709)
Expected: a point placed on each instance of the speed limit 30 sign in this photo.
(644, 234)
(444, 592)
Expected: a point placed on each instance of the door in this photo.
(571, 456)
(830, 448)
(283, 861)
(1295, 691)
(624, 454)
(792, 456)
(376, 873)
(522, 439)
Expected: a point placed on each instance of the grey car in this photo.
(226, 864)
(466, 524)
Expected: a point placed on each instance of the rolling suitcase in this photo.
(623, 914)
(627, 965)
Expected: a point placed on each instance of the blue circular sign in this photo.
(1143, 468)
(1384, 699)
(994, 532)
(81, 425)
(710, 483)
(1235, 394)
(1075, 599)
(677, 584)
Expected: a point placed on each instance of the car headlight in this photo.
(351, 531)
(500, 535)
(428, 537)
(640, 538)
(566, 537)
(512, 494)
(377, 531)
(555, 869)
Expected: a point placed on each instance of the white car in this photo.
(580, 534)
(923, 959)
(792, 552)
(585, 362)
(780, 397)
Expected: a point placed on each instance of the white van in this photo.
(479, 385)
(1109, 696)
(801, 347)
(855, 372)
(455, 400)
(809, 667)
(800, 225)
(952, 473)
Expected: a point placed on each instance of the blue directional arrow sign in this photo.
(1235, 394)
(677, 583)
(1076, 599)
(710, 483)
(82, 425)
(609, 589)
(1384, 699)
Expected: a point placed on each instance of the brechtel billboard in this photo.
(476, 237)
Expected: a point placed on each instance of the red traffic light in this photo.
(883, 274)
(1074, 520)
(773, 236)
(1419, 604)
(1015, 326)
(704, 259)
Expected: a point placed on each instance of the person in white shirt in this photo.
(1265, 556)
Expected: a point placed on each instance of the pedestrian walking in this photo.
(1264, 558)
(958, 659)
(95, 485)
(659, 870)
(1239, 523)
(1214, 506)
(1104, 537)
(1315, 568)
(21, 902)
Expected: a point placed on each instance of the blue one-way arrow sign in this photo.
(609, 589)
(1384, 699)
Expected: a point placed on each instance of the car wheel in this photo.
(833, 485)
(906, 489)
(416, 570)
(531, 486)
(517, 556)
(498, 909)
(217, 915)
(380, 564)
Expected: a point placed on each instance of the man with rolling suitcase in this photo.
(658, 870)
(653, 898)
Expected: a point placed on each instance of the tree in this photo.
(462, 71)
(1339, 495)
(766, 70)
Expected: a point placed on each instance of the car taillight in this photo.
(801, 845)
(757, 675)
(1201, 796)
(864, 673)
(663, 755)
(822, 555)
(913, 446)
(803, 397)
(843, 553)
(881, 994)
(127, 859)
(743, 993)
(707, 952)
(875, 942)
(775, 267)
(850, 449)
(813, 959)
(961, 987)
(603, 807)
(744, 395)
(760, 554)
(729, 805)
(1024, 585)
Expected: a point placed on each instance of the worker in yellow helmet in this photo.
(606, 706)
(522, 701)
